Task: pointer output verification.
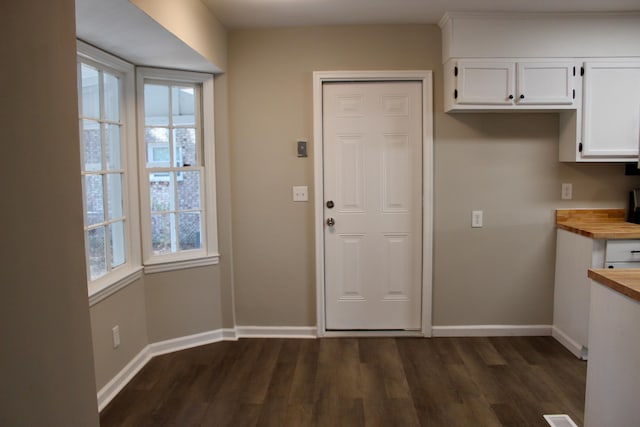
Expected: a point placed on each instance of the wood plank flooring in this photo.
(503, 381)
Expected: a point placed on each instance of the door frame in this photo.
(426, 78)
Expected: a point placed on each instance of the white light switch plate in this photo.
(300, 193)
(567, 191)
(476, 219)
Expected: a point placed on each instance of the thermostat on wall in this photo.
(302, 148)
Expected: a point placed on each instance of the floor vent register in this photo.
(560, 421)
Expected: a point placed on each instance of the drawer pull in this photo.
(635, 252)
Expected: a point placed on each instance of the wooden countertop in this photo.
(597, 223)
(626, 281)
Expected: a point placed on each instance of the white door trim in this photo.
(425, 77)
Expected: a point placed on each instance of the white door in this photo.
(373, 205)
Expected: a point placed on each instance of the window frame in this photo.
(131, 270)
(208, 254)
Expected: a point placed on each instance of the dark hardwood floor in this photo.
(505, 381)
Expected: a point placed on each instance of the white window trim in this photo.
(187, 259)
(130, 271)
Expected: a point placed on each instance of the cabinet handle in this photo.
(635, 252)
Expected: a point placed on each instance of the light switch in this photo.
(300, 193)
(567, 191)
(476, 219)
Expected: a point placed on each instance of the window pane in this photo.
(95, 199)
(190, 230)
(118, 252)
(114, 155)
(90, 92)
(114, 196)
(161, 191)
(188, 190)
(156, 105)
(183, 106)
(158, 154)
(184, 140)
(111, 98)
(97, 253)
(163, 233)
(92, 140)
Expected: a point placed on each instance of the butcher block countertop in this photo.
(626, 281)
(597, 223)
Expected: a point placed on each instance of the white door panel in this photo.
(373, 175)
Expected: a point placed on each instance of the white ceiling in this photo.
(288, 13)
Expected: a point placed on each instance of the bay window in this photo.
(149, 203)
(106, 125)
(175, 121)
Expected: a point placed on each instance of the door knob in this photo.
(330, 204)
(331, 222)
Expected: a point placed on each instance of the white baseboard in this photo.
(491, 331)
(122, 378)
(277, 331)
(229, 334)
(577, 349)
(183, 343)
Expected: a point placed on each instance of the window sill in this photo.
(171, 265)
(104, 289)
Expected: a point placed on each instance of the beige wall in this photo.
(46, 357)
(183, 302)
(193, 23)
(504, 164)
(223, 194)
(126, 309)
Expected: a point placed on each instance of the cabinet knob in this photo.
(510, 96)
(521, 96)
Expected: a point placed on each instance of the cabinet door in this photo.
(485, 82)
(611, 110)
(545, 83)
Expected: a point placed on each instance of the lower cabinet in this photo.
(575, 255)
(613, 371)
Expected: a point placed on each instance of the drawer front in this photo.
(622, 251)
(621, 265)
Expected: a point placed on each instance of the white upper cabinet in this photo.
(586, 67)
(611, 110)
(546, 83)
(504, 85)
(606, 126)
(484, 83)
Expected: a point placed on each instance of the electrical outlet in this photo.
(300, 193)
(476, 219)
(116, 336)
(567, 191)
